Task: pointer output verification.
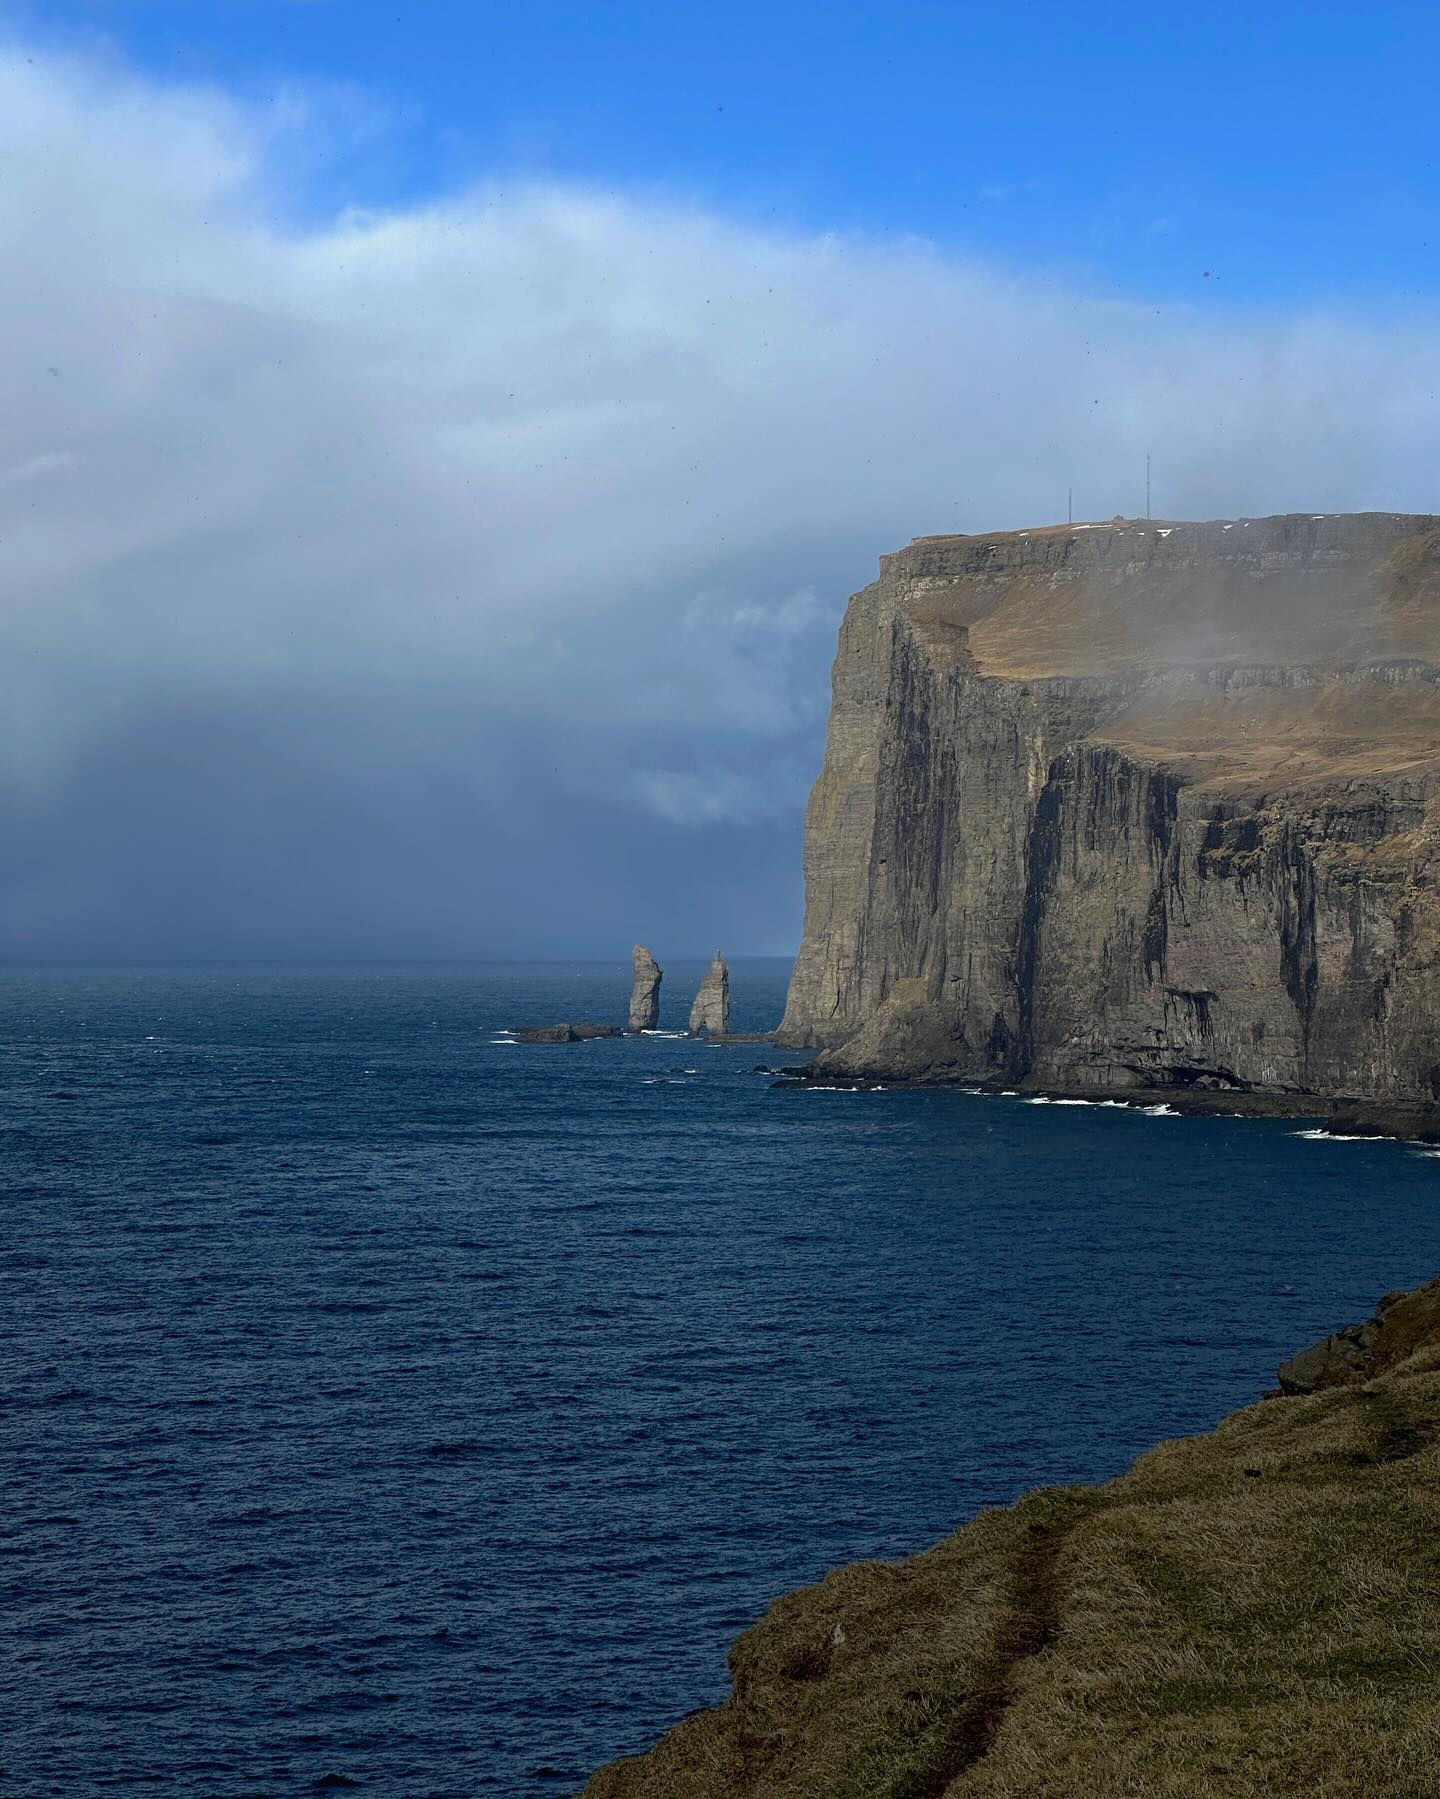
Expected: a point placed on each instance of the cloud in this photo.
(564, 483)
(710, 796)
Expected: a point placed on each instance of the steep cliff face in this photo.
(1135, 805)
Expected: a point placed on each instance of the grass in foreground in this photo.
(1253, 1611)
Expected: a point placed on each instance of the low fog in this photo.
(463, 581)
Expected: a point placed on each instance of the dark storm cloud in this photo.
(464, 580)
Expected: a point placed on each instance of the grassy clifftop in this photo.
(1253, 1611)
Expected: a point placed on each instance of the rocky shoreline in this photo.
(1407, 1120)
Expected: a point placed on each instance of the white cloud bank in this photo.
(598, 467)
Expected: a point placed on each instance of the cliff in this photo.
(1135, 805)
(1254, 1611)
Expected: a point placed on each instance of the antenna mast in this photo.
(1069, 505)
(1147, 484)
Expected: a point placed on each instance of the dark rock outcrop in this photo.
(566, 1033)
(1135, 806)
(1344, 1356)
(1331, 1362)
(645, 993)
(710, 1015)
(1418, 1121)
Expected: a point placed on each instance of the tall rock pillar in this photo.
(711, 1011)
(645, 994)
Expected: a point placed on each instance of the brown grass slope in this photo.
(1345, 600)
(1253, 1611)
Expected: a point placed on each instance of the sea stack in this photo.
(710, 1015)
(645, 994)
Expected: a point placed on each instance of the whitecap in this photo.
(1160, 1111)
(1045, 1099)
(1319, 1135)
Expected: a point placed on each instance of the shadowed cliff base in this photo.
(1135, 806)
(1407, 1120)
(1252, 1611)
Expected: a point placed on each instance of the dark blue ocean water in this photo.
(385, 1402)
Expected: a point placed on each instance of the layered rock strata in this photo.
(645, 993)
(710, 1015)
(1135, 805)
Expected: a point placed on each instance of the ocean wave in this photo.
(1319, 1135)
(1160, 1111)
(1044, 1099)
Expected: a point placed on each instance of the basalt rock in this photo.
(566, 1033)
(1345, 1356)
(645, 994)
(1416, 1120)
(710, 1015)
(1135, 805)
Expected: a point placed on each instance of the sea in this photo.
(393, 1406)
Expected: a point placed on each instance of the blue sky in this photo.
(1284, 149)
(438, 445)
